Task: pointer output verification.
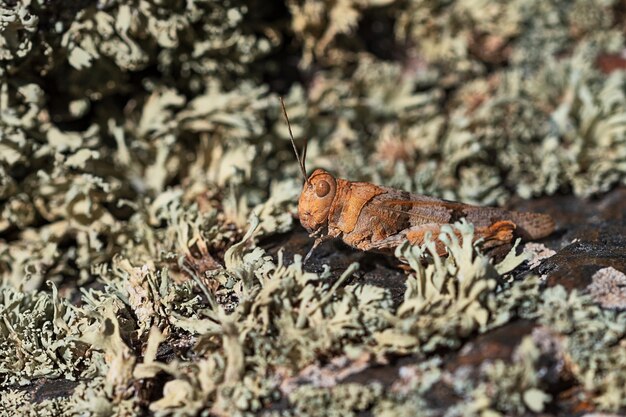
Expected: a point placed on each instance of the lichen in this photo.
(593, 342)
(607, 288)
(145, 163)
(512, 388)
(39, 338)
(450, 298)
(21, 403)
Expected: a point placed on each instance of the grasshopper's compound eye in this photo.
(322, 188)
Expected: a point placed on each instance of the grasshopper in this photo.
(370, 217)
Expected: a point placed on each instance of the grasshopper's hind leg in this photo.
(415, 235)
(497, 234)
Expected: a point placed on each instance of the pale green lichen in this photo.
(39, 338)
(593, 342)
(448, 299)
(342, 400)
(139, 141)
(511, 388)
(20, 403)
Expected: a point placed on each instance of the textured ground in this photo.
(590, 235)
(147, 185)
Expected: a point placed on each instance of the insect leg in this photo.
(385, 244)
(415, 235)
(498, 233)
(315, 245)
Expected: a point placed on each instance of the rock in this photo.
(496, 344)
(574, 265)
(590, 235)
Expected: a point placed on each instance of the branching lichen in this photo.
(140, 140)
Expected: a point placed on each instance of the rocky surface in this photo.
(590, 235)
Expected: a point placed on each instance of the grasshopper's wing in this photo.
(420, 210)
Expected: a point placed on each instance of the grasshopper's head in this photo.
(318, 192)
(316, 200)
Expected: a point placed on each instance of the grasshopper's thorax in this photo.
(316, 200)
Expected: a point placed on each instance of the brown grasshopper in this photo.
(374, 218)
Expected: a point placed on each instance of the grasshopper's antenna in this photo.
(300, 159)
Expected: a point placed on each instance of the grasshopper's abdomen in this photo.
(533, 226)
(529, 226)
